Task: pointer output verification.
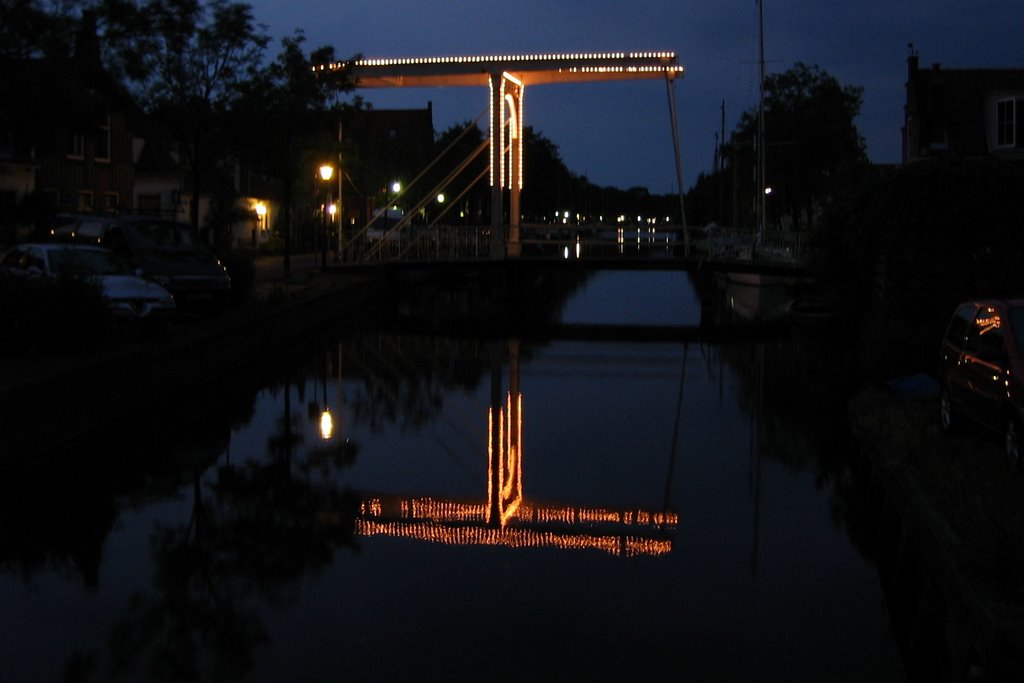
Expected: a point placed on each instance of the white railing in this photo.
(738, 243)
(420, 243)
(469, 242)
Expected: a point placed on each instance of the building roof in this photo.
(948, 110)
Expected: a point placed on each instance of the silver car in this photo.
(165, 251)
(128, 295)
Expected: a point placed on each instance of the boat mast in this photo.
(760, 199)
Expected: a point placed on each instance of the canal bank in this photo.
(48, 400)
(942, 516)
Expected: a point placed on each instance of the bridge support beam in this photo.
(514, 98)
(497, 163)
(506, 162)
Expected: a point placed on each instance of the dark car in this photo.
(981, 372)
(165, 251)
(128, 296)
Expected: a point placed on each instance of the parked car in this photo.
(128, 296)
(981, 371)
(165, 251)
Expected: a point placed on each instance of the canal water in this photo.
(394, 503)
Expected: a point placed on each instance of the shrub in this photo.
(905, 251)
(40, 315)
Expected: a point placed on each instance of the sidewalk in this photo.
(305, 275)
(301, 267)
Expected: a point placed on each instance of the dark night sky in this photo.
(618, 133)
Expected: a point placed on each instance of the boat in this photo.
(756, 250)
(762, 302)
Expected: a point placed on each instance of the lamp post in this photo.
(339, 214)
(326, 173)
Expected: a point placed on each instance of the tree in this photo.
(287, 118)
(810, 136)
(548, 184)
(188, 62)
(42, 42)
(32, 30)
(467, 187)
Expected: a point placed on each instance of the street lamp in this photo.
(326, 173)
(261, 217)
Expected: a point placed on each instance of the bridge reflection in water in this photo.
(505, 517)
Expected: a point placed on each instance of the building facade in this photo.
(963, 113)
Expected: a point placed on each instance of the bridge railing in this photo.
(739, 244)
(420, 243)
(601, 240)
(473, 242)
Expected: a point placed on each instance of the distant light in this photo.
(326, 172)
(440, 198)
(332, 209)
(396, 187)
(767, 190)
(261, 209)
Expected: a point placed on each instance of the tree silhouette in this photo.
(812, 149)
(188, 62)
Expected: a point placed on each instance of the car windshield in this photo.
(85, 262)
(161, 236)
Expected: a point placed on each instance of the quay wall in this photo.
(952, 622)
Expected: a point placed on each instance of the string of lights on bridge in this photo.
(525, 58)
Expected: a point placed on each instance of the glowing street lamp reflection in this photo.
(326, 424)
